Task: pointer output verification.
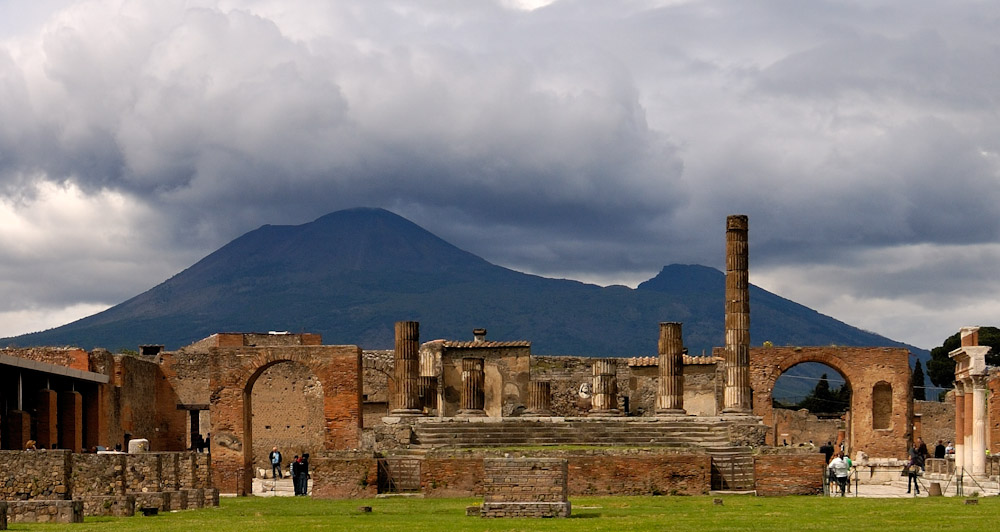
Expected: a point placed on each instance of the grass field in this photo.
(784, 514)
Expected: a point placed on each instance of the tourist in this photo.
(841, 471)
(827, 450)
(275, 458)
(939, 449)
(913, 469)
(922, 448)
(30, 446)
(295, 469)
(304, 475)
(950, 448)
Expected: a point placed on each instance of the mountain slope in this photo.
(351, 274)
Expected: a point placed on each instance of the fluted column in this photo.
(406, 396)
(979, 425)
(473, 380)
(967, 431)
(604, 400)
(737, 354)
(959, 426)
(539, 398)
(427, 390)
(670, 389)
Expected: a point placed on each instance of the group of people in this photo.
(838, 466)
(298, 469)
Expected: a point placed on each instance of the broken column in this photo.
(670, 389)
(604, 401)
(971, 374)
(539, 398)
(737, 316)
(405, 398)
(473, 383)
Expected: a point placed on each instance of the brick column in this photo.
(93, 430)
(406, 397)
(473, 394)
(18, 427)
(737, 317)
(670, 389)
(71, 421)
(539, 398)
(959, 425)
(604, 400)
(967, 431)
(47, 419)
(979, 425)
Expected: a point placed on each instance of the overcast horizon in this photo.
(579, 139)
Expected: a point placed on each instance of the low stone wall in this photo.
(35, 475)
(525, 487)
(108, 505)
(45, 511)
(789, 474)
(342, 475)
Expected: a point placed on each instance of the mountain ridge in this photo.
(349, 275)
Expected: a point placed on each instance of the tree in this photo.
(823, 400)
(941, 369)
(917, 381)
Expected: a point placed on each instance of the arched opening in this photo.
(812, 406)
(284, 409)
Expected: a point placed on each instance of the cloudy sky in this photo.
(592, 140)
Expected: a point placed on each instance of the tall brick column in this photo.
(406, 396)
(670, 389)
(737, 392)
(18, 427)
(47, 419)
(473, 383)
(539, 398)
(959, 426)
(71, 421)
(604, 399)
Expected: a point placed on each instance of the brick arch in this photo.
(233, 372)
(862, 368)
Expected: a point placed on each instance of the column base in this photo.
(537, 414)
(671, 412)
(737, 412)
(471, 412)
(599, 413)
(404, 412)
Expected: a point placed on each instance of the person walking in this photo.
(304, 475)
(275, 458)
(840, 470)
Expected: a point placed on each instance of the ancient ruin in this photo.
(432, 417)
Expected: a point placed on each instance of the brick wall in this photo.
(343, 475)
(937, 421)
(287, 402)
(525, 487)
(789, 474)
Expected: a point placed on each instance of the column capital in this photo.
(959, 388)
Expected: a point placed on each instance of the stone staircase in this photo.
(598, 432)
(732, 469)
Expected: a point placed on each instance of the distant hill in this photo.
(351, 274)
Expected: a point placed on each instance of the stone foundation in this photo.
(525, 487)
(51, 511)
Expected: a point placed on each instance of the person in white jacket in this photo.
(840, 469)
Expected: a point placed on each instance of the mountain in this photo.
(351, 274)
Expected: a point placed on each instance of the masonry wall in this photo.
(993, 411)
(136, 399)
(789, 474)
(937, 421)
(507, 371)
(287, 404)
(800, 427)
(341, 475)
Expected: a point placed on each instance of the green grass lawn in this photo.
(784, 514)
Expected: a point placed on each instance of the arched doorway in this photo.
(881, 403)
(234, 372)
(812, 406)
(286, 411)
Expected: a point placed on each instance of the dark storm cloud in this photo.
(593, 139)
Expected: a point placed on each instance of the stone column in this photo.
(46, 419)
(967, 431)
(737, 316)
(427, 390)
(979, 425)
(71, 421)
(405, 399)
(959, 426)
(604, 399)
(473, 381)
(539, 398)
(670, 389)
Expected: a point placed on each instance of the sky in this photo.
(590, 140)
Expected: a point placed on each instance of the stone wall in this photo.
(789, 474)
(340, 475)
(937, 421)
(287, 407)
(525, 487)
(801, 427)
(35, 475)
(136, 400)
